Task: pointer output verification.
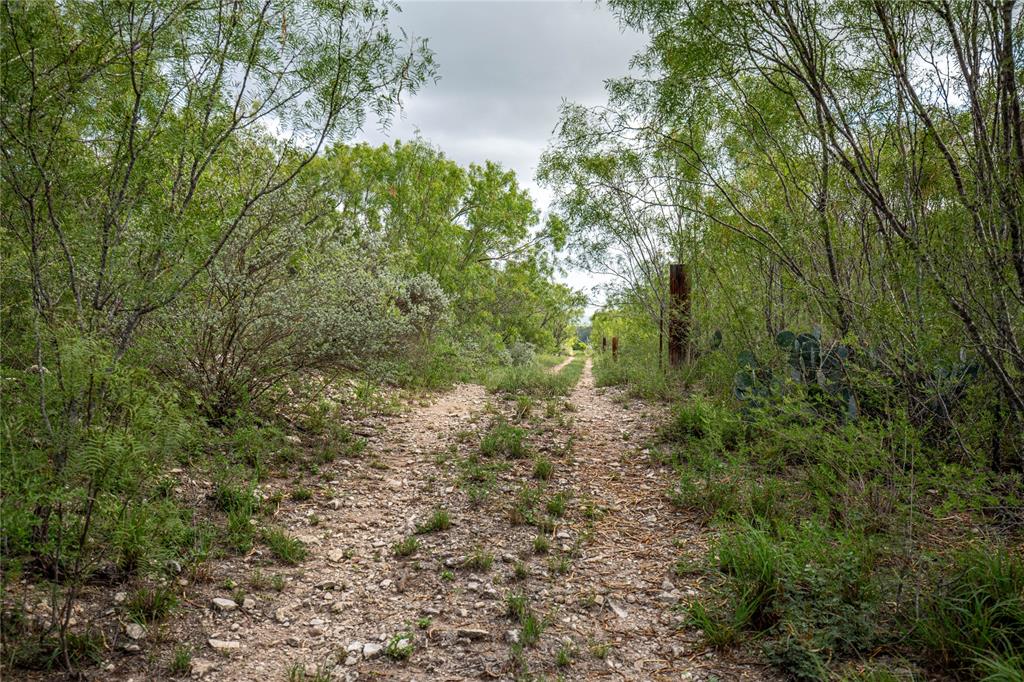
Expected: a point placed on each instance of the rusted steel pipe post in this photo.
(615, 348)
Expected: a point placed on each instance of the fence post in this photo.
(678, 315)
(615, 348)
(604, 344)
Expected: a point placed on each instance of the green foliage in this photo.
(517, 606)
(531, 628)
(556, 504)
(400, 647)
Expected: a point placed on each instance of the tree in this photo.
(123, 128)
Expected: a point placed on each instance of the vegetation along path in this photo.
(476, 537)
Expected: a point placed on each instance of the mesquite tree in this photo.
(122, 124)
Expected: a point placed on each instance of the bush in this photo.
(521, 354)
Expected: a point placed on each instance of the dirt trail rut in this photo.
(604, 589)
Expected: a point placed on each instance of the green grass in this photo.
(812, 559)
(148, 605)
(505, 441)
(400, 647)
(542, 468)
(523, 509)
(439, 520)
(284, 547)
(181, 661)
(479, 560)
(556, 505)
(517, 606)
(301, 494)
(559, 565)
(973, 623)
(564, 656)
(406, 547)
(531, 628)
(536, 381)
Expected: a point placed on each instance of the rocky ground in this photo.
(597, 577)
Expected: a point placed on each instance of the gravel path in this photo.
(604, 589)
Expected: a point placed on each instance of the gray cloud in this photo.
(505, 68)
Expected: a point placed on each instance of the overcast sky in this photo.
(505, 68)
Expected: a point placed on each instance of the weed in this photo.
(516, 606)
(479, 560)
(424, 622)
(447, 576)
(400, 647)
(591, 511)
(524, 406)
(520, 571)
(564, 655)
(439, 520)
(301, 494)
(504, 440)
(229, 497)
(541, 544)
(718, 633)
(240, 530)
(600, 650)
(556, 505)
(406, 547)
(559, 565)
(531, 629)
(181, 661)
(322, 673)
(542, 468)
(151, 604)
(977, 607)
(287, 549)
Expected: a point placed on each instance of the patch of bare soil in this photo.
(604, 590)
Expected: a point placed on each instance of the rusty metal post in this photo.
(678, 315)
(615, 348)
(604, 344)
